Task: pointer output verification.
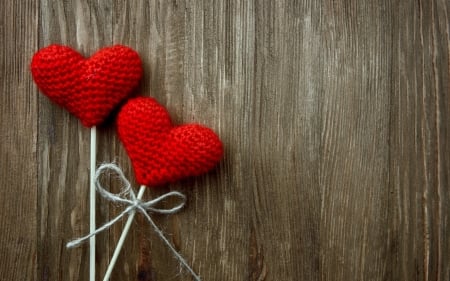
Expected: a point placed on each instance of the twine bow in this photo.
(134, 204)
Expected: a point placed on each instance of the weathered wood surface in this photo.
(335, 118)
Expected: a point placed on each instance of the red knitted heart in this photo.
(88, 88)
(161, 153)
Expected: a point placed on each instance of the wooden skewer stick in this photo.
(122, 237)
(92, 192)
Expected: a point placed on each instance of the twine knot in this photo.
(128, 198)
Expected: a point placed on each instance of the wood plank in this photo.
(283, 147)
(355, 139)
(63, 153)
(18, 131)
(419, 146)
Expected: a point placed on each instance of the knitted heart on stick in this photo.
(160, 152)
(88, 88)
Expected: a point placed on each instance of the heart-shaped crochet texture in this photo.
(89, 88)
(160, 152)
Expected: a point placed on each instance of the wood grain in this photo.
(334, 115)
(18, 137)
(419, 147)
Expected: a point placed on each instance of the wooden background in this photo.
(334, 115)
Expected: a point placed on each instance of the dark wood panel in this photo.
(354, 172)
(18, 137)
(334, 116)
(419, 143)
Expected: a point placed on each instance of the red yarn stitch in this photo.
(88, 88)
(161, 153)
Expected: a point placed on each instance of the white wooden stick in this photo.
(122, 237)
(92, 203)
